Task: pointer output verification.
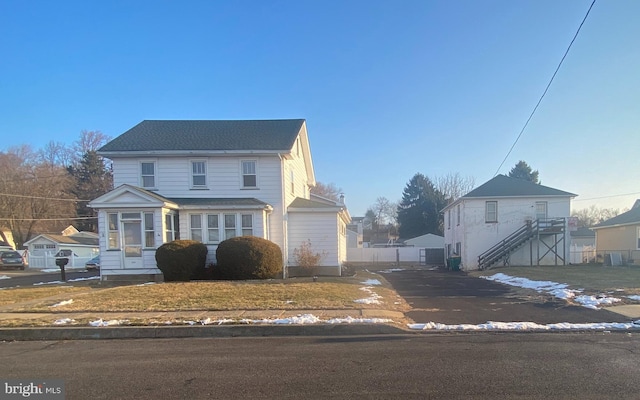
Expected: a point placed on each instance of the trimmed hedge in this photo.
(180, 260)
(248, 257)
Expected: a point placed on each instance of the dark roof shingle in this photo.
(504, 186)
(220, 135)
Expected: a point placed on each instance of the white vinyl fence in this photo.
(49, 261)
(387, 255)
(582, 254)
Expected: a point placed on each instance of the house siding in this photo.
(322, 231)
(477, 236)
(619, 239)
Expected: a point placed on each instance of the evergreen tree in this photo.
(522, 170)
(419, 209)
(92, 179)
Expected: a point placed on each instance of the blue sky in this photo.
(388, 88)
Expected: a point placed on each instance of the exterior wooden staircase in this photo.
(531, 230)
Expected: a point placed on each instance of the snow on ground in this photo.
(62, 303)
(373, 298)
(112, 322)
(634, 297)
(69, 280)
(559, 290)
(370, 282)
(390, 270)
(4, 277)
(526, 326)
(64, 321)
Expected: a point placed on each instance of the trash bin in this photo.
(454, 263)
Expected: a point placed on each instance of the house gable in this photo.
(131, 196)
(631, 217)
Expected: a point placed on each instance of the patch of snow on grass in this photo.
(4, 277)
(370, 282)
(112, 322)
(62, 303)
(146, 284)
(390, 270)
(373, 298)
(634, 297)
(559, 290)
(64, 321)
(302, 319)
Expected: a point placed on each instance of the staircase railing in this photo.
(503, 249)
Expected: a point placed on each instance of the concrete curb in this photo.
(199, 331)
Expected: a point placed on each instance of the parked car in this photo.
(11, 259)
(94, 263)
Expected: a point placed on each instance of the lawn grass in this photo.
(588, 277)
(19, 295)
(328, 293)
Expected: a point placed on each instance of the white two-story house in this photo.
(508, 221)
(210, 181)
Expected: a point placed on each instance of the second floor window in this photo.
(148, 174)
(198, 174)
(491, 211)
(249, 177)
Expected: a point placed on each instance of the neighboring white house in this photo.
(508, 221)
(209, 181)
(428, 241)
(41, 250)
(355, 233)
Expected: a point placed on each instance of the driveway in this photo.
(453, 297)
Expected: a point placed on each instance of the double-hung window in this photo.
(198, 174)
(213, 228)
(148, 230)
(491, 211)
(148, 174)
(247, 224)
(249, 176)
(541, 209)
(113, 231)
(229, 226)
(196, 227)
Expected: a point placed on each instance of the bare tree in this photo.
(32, 194)
(328, 191)
(385, 211)
(454, 186)
(55, 153)
(88, 141)
(588, 217)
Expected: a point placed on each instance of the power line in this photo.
(606, 197)
(546, 89)
(43, 198)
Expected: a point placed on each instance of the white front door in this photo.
(132, 237)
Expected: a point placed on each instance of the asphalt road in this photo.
(451, 297)
(28, 278)
(470, 366)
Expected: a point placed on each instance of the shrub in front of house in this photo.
(181, 259)
(248, 257)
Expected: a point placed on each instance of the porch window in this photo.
(148, 174)
(541, 209)
(198, 174)
(169, 228)
(113, 232)
(249, 177)
(247, 224)
(448, 219)
(196, 227)
(213, 228)
(148, 230)
(491, 211)
(229, 226)
(458, 211)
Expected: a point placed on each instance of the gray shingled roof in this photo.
(299, 202)
(185, 135)
(78, 240)
(221, 202)
(504, 186)
(630, 217)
